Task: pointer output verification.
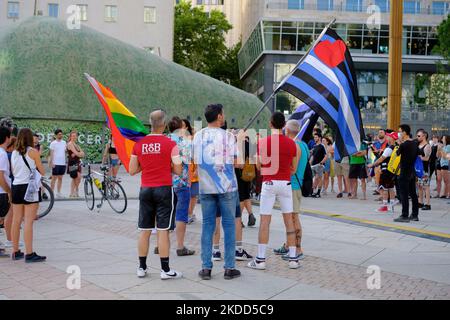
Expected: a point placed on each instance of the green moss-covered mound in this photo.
(41, 76)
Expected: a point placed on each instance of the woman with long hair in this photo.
(74, 154)
(24, 160)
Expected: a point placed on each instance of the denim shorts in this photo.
(183, 199)
(194, 189)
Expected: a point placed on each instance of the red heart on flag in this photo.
(332, 54)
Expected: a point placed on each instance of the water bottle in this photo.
(98, 183)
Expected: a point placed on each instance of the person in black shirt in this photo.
(317, 161)
(408, 150)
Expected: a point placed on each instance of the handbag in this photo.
(73, 170)
(33, 188)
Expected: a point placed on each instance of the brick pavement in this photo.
(45, 280)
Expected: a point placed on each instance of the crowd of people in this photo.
(21, 169)
(222, 168)
(217, 165)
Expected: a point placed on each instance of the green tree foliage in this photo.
(199, 43)
(443, 34)
(227, 69)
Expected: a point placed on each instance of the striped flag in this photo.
(307, 119)
(325, 80)
(126, 129)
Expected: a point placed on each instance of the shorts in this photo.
(296, 200)
(58, 170)
(114, 162)
(387, 180)
(244, 188)
(238, 212)
(327, 167)
(156, 208)
(341, 169)
(183, 201)
(357, 171)
(424, 181)
(18, 194)
(444, 168)
(317, 169)
(194, 189)
(4, 205)
(276, 189)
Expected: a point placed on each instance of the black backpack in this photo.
(307, 186)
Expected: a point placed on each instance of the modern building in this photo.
(276, 33)
(232, 10)
(146, 24)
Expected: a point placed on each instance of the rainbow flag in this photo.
(126, 129)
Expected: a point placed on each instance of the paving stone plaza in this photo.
(342, 248)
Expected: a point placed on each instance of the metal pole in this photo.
(395, 65)
(35, 7)
(288, 75)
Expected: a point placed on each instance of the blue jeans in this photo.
(226, 203)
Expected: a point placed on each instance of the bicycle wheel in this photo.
(89, 193)
(116, 197)
(48, 199)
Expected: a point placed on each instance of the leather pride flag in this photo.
(326, 81)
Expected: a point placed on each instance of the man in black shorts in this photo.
(57, 163)
(156, 156)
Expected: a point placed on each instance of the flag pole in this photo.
(289, 74)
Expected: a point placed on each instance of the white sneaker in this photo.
(9, 244)
(294, 264)
(141, 273)
(172, 274)
(257, 265)
(59, 196)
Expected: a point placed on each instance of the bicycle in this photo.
(48, 199)
(110, 189)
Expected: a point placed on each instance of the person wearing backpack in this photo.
(245, 176)
(25, 161)
(387, 182)
(408, 151)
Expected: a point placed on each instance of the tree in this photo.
(227, 69)
(443, 35)
(438, 95)
(200, 38)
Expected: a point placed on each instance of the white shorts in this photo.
(276, 189)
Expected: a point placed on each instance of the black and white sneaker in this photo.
(172, 274)
(251, 220)
(243, 255)
(17, 255)
(141, 272)
(33, 257)
(231, 274)
(217, 256)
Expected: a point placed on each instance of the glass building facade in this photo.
(360, 39)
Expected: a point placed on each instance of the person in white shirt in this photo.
(26, 167)
(5, 184)
(57, 161)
